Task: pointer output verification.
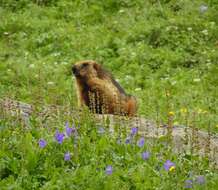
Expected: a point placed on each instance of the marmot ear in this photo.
(96, 66)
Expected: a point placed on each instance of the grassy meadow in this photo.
(164, 52)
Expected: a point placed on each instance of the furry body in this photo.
(100, 92)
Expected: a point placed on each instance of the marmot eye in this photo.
(85, 65)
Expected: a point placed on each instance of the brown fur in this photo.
(100, 92)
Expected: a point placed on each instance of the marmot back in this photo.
(97, 89)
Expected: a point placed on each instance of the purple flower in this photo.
(128, 140)
(101, 130)
(203, 8)
(200, 180)
(188, 183)
(69, 130)
(141, 142)
(67, 156)
(134, 130)
(145, 155)
(67, 124)
(109, 170)
(42, 143)
(169, 166)
(59, 137)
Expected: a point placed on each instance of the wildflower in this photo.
(189, 28)
(141, 142)
(134, 130)
(121, 11)
(171, 113)
(138, 89)
(145, 155)
(67, 156)
(172, 168)
(109, 170)
(31, 65)
(68, 129)
(169, 166)
(196, 80)
(205, 32)
(42, 143)
(128, 140)
(200, 180)
(183, 110)
(188, 183)
(199, 110)
(203, 8)
(101, 130)
(59, 137)
(50, 83)
(167, 92)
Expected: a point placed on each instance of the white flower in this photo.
(189, 28)
(50, 83)
(31, 65)
(205, 32)
(138, 89)
(121, 11)
(196, 80)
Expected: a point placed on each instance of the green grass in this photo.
(163, 52)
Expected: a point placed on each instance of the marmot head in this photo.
(86, 69)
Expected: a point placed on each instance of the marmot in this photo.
(97, 89)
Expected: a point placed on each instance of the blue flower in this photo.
(42, 143)
(67, 156)
(134, 130)
(200, 180)
(101, 130)
(141, 142)
(188, 183)
(69, 130)
(169, 166)
(109, 170)
(145, 155)
(128, 140)
(59, 137)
